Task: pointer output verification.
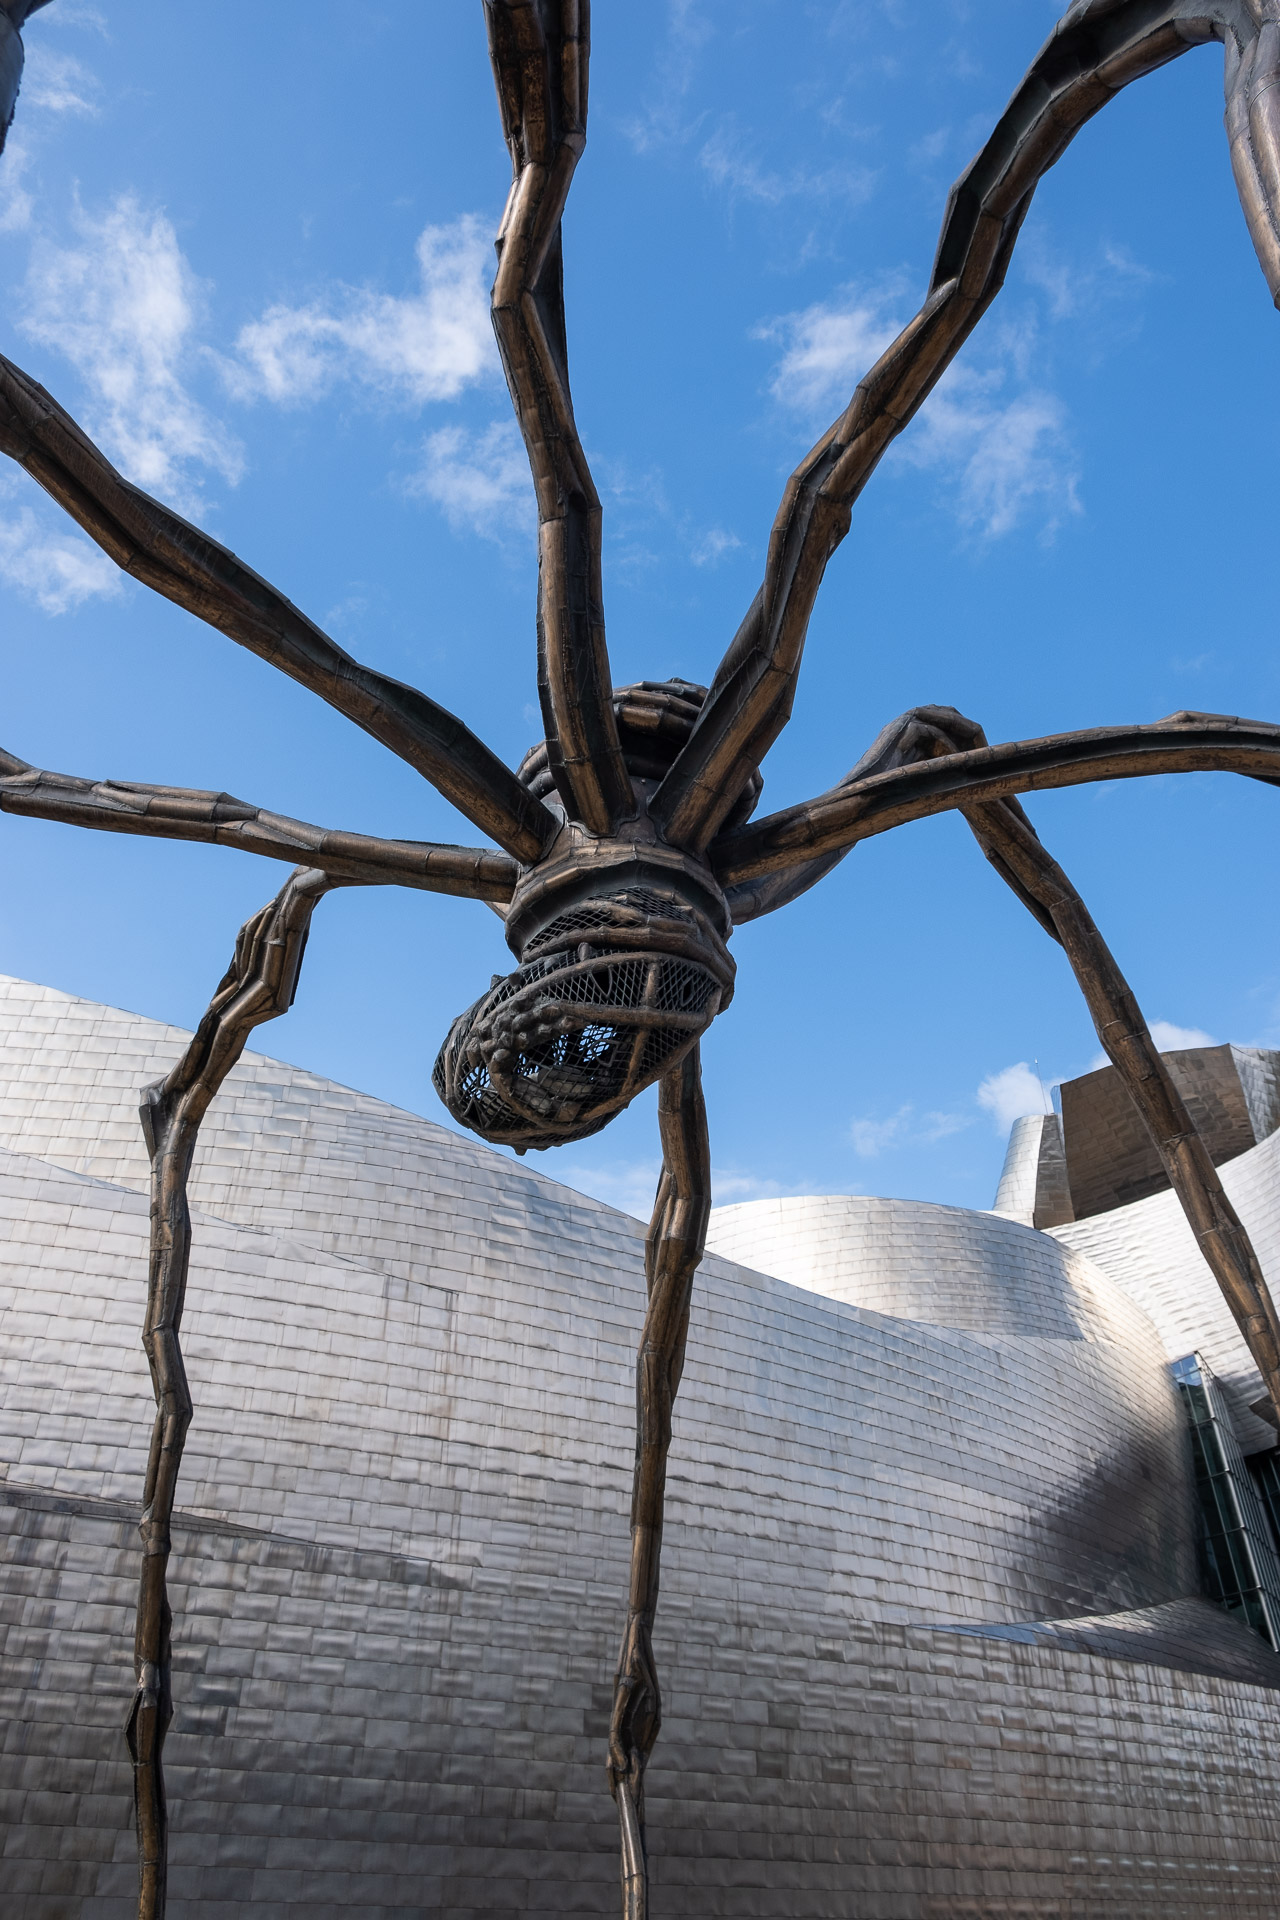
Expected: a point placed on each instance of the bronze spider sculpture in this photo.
(627, 849)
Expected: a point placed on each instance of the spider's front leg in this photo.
(677, 1236)
(540, 51)
(1013, 847)
(259, 985)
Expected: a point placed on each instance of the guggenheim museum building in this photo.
(971, 1601)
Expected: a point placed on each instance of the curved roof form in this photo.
(945, 1265)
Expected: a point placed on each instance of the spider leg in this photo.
(1010, 842)
(540, 51)
(259, 985)
(858, 808)
(677, 1236)
(1097, 48)
(177, 813)
(926, 740)
(903, 741)
(175, 559)
(929, 736)
(13, 17)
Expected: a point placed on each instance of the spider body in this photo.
(613, 990)
(622, 941)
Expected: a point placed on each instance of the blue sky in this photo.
(251, 254)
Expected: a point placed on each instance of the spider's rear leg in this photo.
(259, 985)
(1011, 844)
(677, 1236)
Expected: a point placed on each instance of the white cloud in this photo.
(828, 348)
(52, 83)
(931, 146)
(1020, 1089)
(58, 571)
(905, 1128)
(709, 548)
(1168, 1038)
(1055, 278)
(871, 1137)
(57, 82)
(1002, 456)
(729, 158)
(732, 1184)
(663, 122)
(629, 1185)
(1001, 453)
(638, 506)
(345, 615)
(1072, 287)
(16, 204)
(729, 154)
(122, 307)
(415, 347)
(1009, 1094)
(481, 482)
(122, 304)
(632, 1185)
(79, 13)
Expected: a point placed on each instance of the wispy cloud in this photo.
(1072, 287)
(17, 205)
(827, 348)
(415, 347)
(53, 84)
(1021, 1088)
(1002, 457)
(931, 146)
(709, 549)
(58, 82)
(1168, 1038)
(122, 306)
(730, 159)
(730, 1184)
(80, 13)
(1011, 1092)
(665, 120)
(630, 1185)
(730, 155)
(480, 481)
(905, 1128)
(58, 570)
(1002, 447)
(639, 509)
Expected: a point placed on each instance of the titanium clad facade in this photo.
(1149, 1249)
(931, 1632)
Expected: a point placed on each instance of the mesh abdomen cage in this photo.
(616, 982)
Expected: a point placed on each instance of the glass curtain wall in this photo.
(1241, 1563)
